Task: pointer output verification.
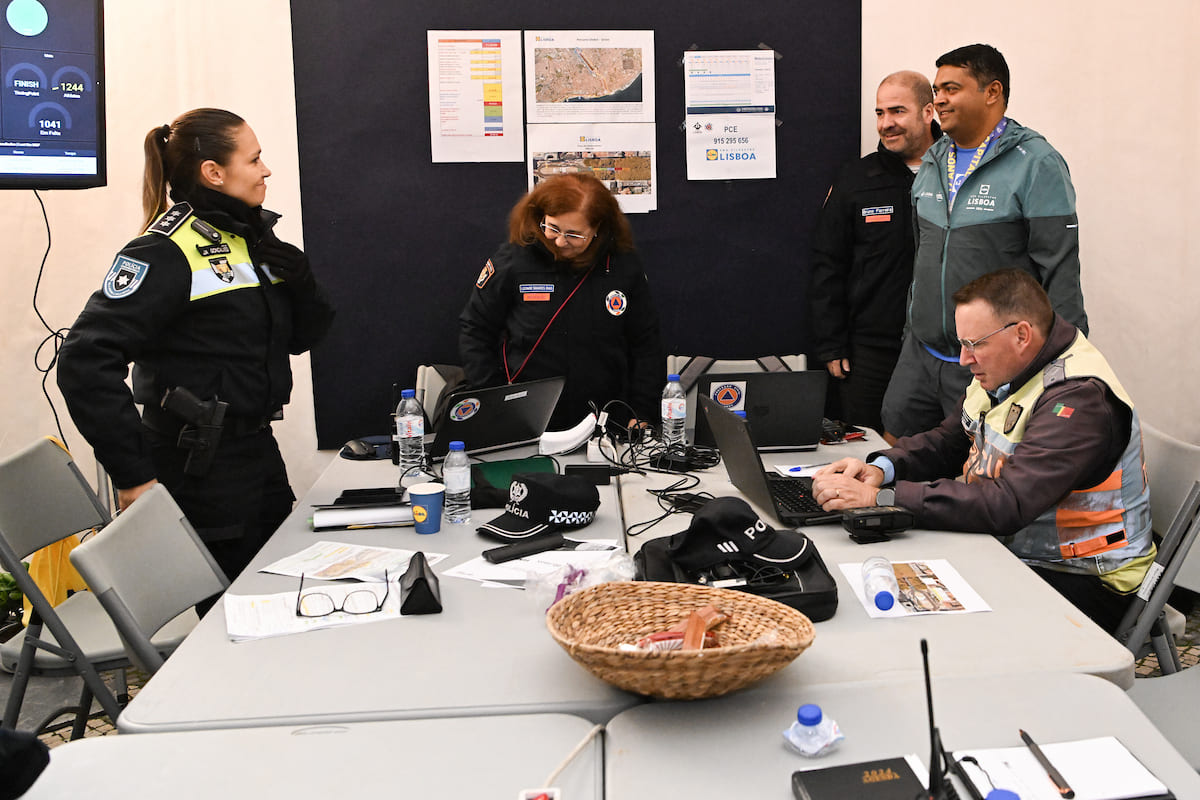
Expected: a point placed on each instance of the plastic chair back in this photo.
(147, 568)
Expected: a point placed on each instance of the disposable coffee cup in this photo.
(426, 500)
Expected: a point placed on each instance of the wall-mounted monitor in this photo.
(52, 101)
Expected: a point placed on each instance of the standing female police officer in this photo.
(207, 304)
(567, 295)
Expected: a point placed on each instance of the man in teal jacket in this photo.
(990, 194)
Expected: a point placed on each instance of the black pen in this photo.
(1056, 777)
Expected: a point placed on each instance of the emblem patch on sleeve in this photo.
(485, 273)
(124, 277)
(615, 302)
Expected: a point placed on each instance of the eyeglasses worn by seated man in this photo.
(970, 344)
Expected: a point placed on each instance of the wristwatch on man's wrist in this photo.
(886, 497)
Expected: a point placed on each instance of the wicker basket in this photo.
(760, 637)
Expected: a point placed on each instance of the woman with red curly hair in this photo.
(567, 295)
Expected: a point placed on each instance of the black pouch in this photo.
(420, 592)
(809, 588)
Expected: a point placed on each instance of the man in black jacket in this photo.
(863, 253)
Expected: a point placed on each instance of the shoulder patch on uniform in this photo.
(484, 274)
(615, 302)
(171, 219)
(124, 277)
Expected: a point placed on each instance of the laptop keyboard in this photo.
(794, 494)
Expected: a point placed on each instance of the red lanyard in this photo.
(504, 347)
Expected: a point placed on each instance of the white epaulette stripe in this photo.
(205, 282)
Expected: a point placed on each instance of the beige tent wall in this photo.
(1114, 87)
(162, 59)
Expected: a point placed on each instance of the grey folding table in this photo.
(487, 653)
(462, 757)
(733, 746)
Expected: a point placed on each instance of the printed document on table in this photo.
(330, 561)
(622, 156)
(1096, 769)
(586, 553)
(589, 76)
(930, 586)
(265, 615)
(475, 111)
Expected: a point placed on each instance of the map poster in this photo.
(622, 155)
(475, 109)
(589, 76)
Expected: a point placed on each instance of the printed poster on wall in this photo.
(621, 155)
(589, 76)
(475, 111)
(729, 98)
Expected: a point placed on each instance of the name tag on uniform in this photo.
(878, 214)
(536, 292)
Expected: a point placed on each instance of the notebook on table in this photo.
(789, 497)
(497, 417)
(785, 409)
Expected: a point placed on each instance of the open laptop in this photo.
(496, 418)
(784, 409)
(790, 498)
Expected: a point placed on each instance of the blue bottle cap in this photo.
(457, 446)
(884, 600)
(408, 393)
(1002, 794)
(809, 715)
(672, 378)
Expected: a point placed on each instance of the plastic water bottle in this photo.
(456, 474)
(879, 582)
(410, 433)
(674, 413)
(812, 734)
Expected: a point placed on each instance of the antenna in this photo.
(939, 787)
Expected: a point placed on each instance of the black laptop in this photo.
(496, 418)
(790, 498)
(784, 409)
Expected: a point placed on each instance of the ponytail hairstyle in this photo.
(175, 152)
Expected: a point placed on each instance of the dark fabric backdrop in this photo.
(398, 241)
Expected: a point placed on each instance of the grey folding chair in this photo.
(1170, 701)
(44, 499)
(148, 567)
(1146, 618)
(1173, 466)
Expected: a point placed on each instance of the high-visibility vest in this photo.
(1095, 530)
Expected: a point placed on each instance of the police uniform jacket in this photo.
(224, 332)
(605, 341)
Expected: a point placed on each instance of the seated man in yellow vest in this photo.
(1044, 453)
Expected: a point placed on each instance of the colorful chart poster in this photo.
(729, 98)
(475, 111)
(589, 76)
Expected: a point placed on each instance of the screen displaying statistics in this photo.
(52, 101)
